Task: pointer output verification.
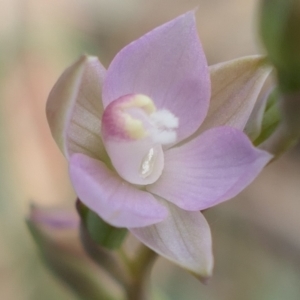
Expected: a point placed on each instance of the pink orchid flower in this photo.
(158, 137)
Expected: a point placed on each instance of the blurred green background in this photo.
(256, 236)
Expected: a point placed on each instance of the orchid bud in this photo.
(101, 233)
(270, 118)
(280, 31)
(56, 234)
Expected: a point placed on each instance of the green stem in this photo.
(104, 258)
(132, 275)
(139, 288)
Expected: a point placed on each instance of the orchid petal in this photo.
(235, 88)
(184, 238)
(74, 108)
(210, 169)
(114, 200)
(169, 66)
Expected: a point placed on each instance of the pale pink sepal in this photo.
(74, 108)
(169, 66)
(184, 238)
(210, 169)
(236, 85)
(116, 201)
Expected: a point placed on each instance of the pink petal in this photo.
(212, 168)
(114, 200)
(184, 238)
(169, 66)
(74, 108)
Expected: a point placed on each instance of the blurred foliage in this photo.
(280, 31)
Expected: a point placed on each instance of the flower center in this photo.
(133, 131)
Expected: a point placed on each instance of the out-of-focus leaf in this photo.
(280, 32)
